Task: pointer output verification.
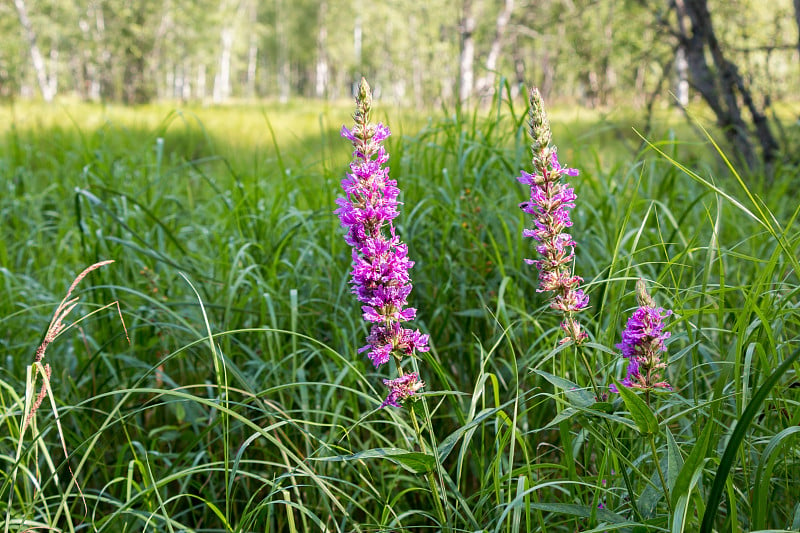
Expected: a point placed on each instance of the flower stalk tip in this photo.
(539, 127)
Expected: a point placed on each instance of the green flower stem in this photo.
(625, 477)
(660, 473)
(437, 499)
(589, 370)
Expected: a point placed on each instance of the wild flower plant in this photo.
(550, 202)
(643, 342)
(380, 275)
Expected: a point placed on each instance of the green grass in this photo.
(239, 402)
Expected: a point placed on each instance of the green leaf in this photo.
(681, 506)
(694, 463)
(674, 460)
(654, 491)
(452, 439)
(576, 395)
(591, 412)
(583, 511)
(652, 494)
(696, 459)
(414, 462)
(645, 420)
(566, 414)
(606, 407)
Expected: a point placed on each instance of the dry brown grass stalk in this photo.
(55, 328)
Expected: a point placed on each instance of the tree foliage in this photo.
(598, 52)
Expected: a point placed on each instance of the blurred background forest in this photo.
(600, 52)
(737, 56)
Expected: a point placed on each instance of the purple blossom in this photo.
(643, 341)
(550, 204)
(401, 388)
(380, 269)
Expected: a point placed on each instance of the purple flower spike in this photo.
(380, 278)
(550, 204)
(642, 344)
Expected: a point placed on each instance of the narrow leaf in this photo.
(693, 463)
(645, 419)
(576, 395)
(451, 440)
(674, 460)
(414, 462)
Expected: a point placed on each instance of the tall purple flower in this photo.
(643, 342)
(380, 278)
(550, 204)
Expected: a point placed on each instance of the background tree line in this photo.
(737, 55)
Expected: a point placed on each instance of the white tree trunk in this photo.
(222, 81)
(53, 78)
(682, 70)
(284, 86)
(467, 55)
(485, 84)
(45, 84)
(99, 37)
(322, 54)
(252, 52)
(681, 60)
(201, 82)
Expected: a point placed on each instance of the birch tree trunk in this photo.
(252, 51)
(222, 81)
(682, 71)
(45, 84)
(681, 60)
(159, 62)
(200, 92)
(322, 52)
(283, 55)
(467, 53)
(485, 84)
(92, 57)
(101, 80)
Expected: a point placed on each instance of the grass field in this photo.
(225, 392)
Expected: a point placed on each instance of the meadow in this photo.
(209, 378)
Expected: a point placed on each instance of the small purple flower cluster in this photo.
(550, 202)
(643, 342)
(401, 388)
(380, 276)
